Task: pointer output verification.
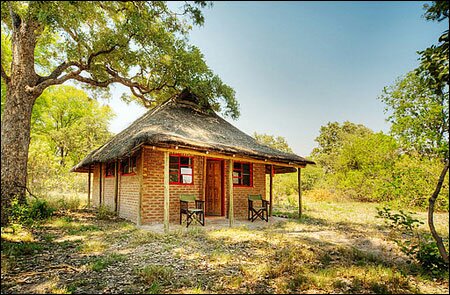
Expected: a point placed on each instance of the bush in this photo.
(104, 213)
(420, 247)
(40, 209)
(29, 213)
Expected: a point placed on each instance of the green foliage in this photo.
(66, 125)
(416, 245)
(140, 44)
(102, 262)
(362, 162)
(331, 139)
(278, 142)
(71, 123)
(369, 166)
(434, 64)
(419, 116)
(31, 212)
(437, 11)
(13, 249)
(104, 213)
(40, 209)
(156, 276)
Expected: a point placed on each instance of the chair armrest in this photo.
(265, 203)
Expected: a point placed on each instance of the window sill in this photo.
(128, 174)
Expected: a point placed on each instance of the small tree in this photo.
(420, 110)
(331, 139)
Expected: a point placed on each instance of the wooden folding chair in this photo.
(197, 213)
(258, 211)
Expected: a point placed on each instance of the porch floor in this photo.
(213, 223)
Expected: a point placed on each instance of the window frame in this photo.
(242, 174)
(113, 164)
(191, 165)
(131, 160)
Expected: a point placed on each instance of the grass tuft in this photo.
(103, 262)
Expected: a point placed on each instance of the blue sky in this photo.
(296, 66)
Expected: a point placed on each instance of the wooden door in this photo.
(213, 190)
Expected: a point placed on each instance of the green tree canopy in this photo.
(70, 122)
(66, 126)
(419, 116)
(142, 45)
(278, 142)
(331, 139)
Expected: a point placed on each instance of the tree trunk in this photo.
(16, 119)
(432, 201)
(15, 134)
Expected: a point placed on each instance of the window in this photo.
(110, 169)
(242, 174)
(128, 165)
(180, 170)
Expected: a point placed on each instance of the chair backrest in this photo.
(255, 197)
(187, 198)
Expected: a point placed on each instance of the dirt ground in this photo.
(77, 253)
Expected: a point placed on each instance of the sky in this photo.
(295, 66)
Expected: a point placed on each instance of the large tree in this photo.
(142, 45)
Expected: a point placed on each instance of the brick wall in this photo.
(108, 191)
(153, 188)
(129, 193)
(240, 194)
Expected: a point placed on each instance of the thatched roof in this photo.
(181, 121)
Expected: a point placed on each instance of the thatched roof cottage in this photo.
(178, 148)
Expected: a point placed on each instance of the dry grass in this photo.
(337, 247)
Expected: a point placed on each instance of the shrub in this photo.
(40, 209)
(72, 203)
(28, 213)
(420, 247)
(104, 213)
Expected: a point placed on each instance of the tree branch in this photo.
(59, 70)
(94, 82)
(95, 54)
(15, 18)
(5, 76)
(37, 90)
